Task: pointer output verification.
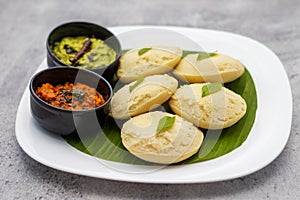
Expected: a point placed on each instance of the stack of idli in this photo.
(151, 76)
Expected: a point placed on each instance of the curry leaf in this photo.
(204, 55)
(164, 124)
(144, 50)
(138, 81)
(211, 88)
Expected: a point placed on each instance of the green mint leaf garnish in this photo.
(204, 55)
(165, 123)
(144, 50)
(211, 88)
(138, 81)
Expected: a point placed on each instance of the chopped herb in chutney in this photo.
(83, 52)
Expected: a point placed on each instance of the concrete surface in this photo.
(24, 27)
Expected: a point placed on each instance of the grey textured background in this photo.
(24, 28)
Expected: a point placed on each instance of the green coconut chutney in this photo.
(98, 54)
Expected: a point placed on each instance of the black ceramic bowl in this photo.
(74, 29)
(62, 121)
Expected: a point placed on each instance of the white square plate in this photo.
(266, 140)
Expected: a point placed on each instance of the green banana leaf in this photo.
(107, 144)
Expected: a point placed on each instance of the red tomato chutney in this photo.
(70, 96)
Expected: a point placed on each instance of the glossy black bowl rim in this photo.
(119, 53)
(33, 94)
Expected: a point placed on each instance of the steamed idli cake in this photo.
(216, 68)
(142, 95)
(147, 61)
(174, 144)
(217, 110)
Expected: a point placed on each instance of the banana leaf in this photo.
(107, 144)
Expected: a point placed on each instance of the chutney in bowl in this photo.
(84, 45)
(60, 102)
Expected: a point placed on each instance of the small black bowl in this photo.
(62, 121)
(74, 29)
